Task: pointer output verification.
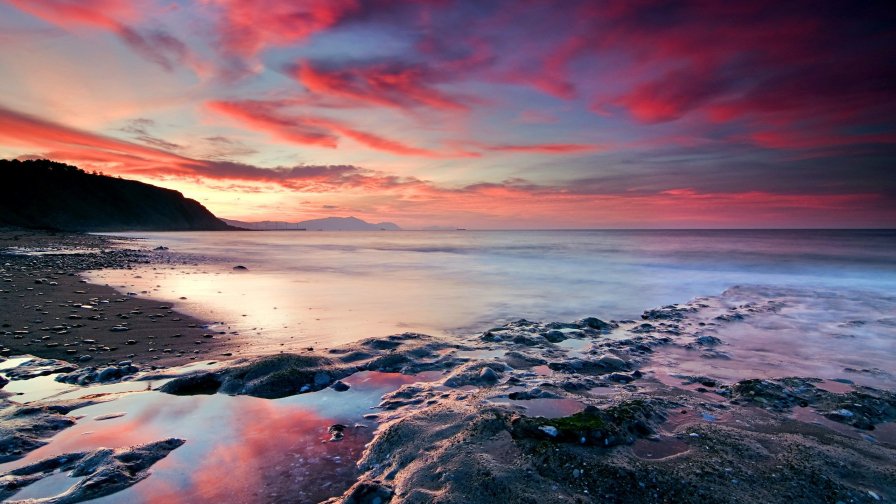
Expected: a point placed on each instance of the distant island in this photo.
(326, 224)
(44, 194)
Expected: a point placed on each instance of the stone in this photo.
(321, 378)
(108, 374)
(340, 386)
(612, 362)
(337, 432)
(488, 374)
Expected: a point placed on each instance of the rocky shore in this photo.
(566, 412)
(48, 311)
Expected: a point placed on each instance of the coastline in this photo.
(49, 311)
(522, 412)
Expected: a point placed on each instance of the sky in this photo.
(469, 113)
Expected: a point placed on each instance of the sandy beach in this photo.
(49, 311)
(589, 410)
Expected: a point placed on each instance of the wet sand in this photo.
(48, 311)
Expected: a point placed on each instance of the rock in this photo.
(85, 358)
(488, 374)
(119, 328)
(99, 473)
(322, 378)
(621, 423)
(240, 267)
(620, 378)
(596, 323)
(612, 362)
(555, 336)
(124, 363)
(108, 374)
(369, 492)
(337, 432)
(340, 386)
(127, 370)
(706, 340)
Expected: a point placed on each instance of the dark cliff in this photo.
(49, 195)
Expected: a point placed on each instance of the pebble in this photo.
(340, 386)
(336, 432)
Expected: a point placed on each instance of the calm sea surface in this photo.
(332, 287)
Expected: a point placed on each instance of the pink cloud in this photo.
(308, 130)
(399, 86)
(247, 28)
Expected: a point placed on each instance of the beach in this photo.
(51, 312)
(754, 393)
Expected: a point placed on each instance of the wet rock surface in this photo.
(100, 472)
(863, 408)
(25, 428)
(290, 374)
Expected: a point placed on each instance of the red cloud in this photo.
(107, 14)
(308, 130)
(264, 116)
(397, 86)
(247, 27)
(115, 156)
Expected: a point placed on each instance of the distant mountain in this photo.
(327, 224)
(49, 195)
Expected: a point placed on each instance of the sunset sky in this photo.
(480, 114)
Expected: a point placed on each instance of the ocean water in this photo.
(327, 288)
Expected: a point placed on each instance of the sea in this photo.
(327, 288)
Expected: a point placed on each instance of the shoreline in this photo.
(523, 412)
(49, 311)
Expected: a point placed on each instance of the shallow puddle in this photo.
(238, 449)
(54, 484)
(482, 354)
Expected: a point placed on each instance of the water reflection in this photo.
(239, 449)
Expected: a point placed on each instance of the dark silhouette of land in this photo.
(44, 194)
(326, 224)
